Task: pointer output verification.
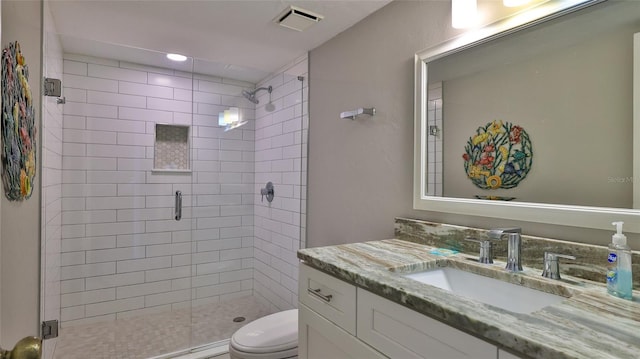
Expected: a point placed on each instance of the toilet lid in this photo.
(275, 332)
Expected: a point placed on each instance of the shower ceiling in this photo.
(237, 38)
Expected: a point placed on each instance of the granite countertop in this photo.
(588, 324)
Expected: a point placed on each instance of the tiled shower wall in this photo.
(281, 152)
(51, 217)
(434, 140)
(122, 251)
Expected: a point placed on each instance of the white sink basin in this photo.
(497, 293)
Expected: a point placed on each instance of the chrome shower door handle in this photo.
(178, 205)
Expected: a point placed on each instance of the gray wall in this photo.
(20, 236)
(361, 172)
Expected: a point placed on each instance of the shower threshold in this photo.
(213, 350)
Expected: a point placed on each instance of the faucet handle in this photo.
(551, 264)
(486, 250)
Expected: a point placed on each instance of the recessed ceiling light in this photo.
(176, 57)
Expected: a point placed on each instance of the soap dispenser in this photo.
(619, 281)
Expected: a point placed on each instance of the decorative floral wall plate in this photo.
(499, 155)
(18, 126)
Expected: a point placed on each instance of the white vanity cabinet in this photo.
(400, 332)
(342, 321)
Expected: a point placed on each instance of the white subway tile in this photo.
(72, 285)
(182, 95)
(87, 243)
(217, 244)
(80, 217)
(147, 214)
(170, 81)
(115, 280)
(115, 177)
(236, 210)
(207, 155)
(138, 164)
(203, 223)
(86, 136)
(169, 105)
(169, 297)
(236, 188)
(87, 297)
(87, 270)
(74, 122)
(75, 67)
(168, 225)
(88, 190)
(218, 289)
(233, 276)
(143, 289)
(236, 167)
(116, 73)
(69, 176)
(137, 114)
(103, 124)
(143, 239)
(74, 149)
(219, 200)
(144, 189)
(119, 151)
(89, 83)
(146, 68)
(218, 267)
(86, 109)
(236, 145)
(136, 139)
(114, 202)
(205, 280)
(116, 99)
(115, 254)
(231, 232)
(105, 229)
(168, 249)
(71, 258)
(181, 118)
(231, 254)
(88, 163)
(219, 88)
(136, 265)
(90, 59)
(132, 88)
(168, 273)
(71, 313)
(205, 97)
(114, 306)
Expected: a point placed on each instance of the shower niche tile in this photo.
(171, 149)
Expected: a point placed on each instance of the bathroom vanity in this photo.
(359, 300)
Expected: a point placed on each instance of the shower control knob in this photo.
(267, 191)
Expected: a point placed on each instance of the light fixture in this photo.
(514, 3)
(463, 13)
(176, 57)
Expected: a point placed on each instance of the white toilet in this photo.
(272, 337)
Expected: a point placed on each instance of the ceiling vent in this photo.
(297, 19)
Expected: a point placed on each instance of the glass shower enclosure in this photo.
(155, 238)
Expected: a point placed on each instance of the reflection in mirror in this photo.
(543, 116)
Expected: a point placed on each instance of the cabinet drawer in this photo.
(318, 338)
(400, 332)
(329, 297)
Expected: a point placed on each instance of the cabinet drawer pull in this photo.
(317, 293)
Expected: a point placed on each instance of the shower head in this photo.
(251, 95)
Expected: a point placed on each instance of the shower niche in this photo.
(171, 148)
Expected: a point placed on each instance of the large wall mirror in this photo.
(532, 117)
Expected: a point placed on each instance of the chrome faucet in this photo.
(514, 251)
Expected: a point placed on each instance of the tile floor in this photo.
(155, 334)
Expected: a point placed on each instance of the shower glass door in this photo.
(122, 152)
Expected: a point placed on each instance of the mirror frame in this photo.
(568, 215)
